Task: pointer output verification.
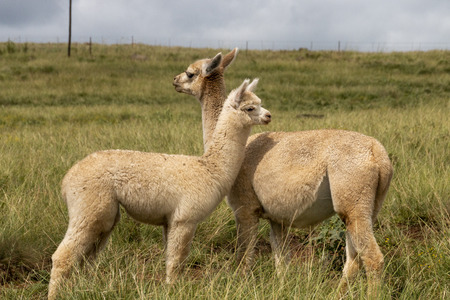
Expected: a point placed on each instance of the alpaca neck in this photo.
(226, 150)
(211, 100)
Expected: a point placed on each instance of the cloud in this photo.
(293, 23)
(24, 13)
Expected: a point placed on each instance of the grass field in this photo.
(55, 110)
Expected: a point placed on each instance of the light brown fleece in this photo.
(302, 178)
(206, 84)
(174, 191)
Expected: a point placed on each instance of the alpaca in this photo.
(155, 188)
(300, 179)
(204, 80)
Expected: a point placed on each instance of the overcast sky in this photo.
(358, 24)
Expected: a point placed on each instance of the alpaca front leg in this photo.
(179, 238)
(247, 231)
(280, 246)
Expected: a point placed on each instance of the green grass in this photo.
(55, 110)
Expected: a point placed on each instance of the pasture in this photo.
(55, 110)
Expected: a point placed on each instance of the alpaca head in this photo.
(244, 102)
(192, 81)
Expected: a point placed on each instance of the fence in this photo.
(252, 44)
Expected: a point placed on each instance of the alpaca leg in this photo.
(247, 231)
(165, 231)
(179, 238)
(86, 235)
(280, 247)
(76, 245)
(102, 240)
(361, 235)
(64, 258)
(354, 190)
(351, 267)
(247, 211)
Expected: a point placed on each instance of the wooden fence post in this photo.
(70, 28)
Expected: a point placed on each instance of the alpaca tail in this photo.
(385, 172)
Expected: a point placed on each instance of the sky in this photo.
(364, 25)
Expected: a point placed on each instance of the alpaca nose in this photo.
(269, 116)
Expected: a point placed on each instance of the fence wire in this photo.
(338, 45)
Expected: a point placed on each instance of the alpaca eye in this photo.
(250, 109)
(189, 75)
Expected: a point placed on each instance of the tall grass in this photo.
(55, 110)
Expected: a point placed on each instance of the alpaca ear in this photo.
(252, 86)
(239, 93)
(213, 64)
(229, 58)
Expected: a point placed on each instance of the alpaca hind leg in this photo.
(102, 240)
(361, 234)
(165, 232)
(64, 258)
(351, 267)
(354, 192)
(280, 246)
(76, 245)
(85, 236)
(179, 238)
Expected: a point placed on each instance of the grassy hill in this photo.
(55, 110)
